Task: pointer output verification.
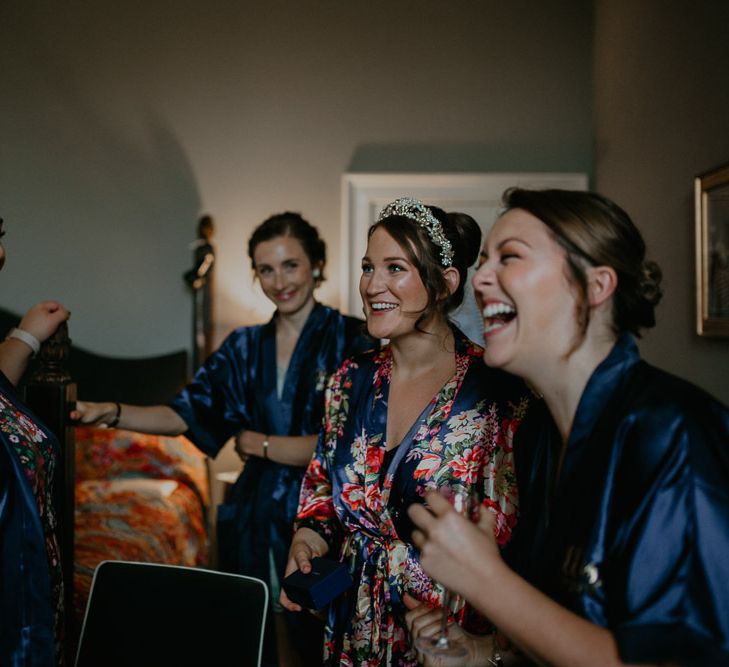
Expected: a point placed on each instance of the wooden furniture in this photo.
(200, 280)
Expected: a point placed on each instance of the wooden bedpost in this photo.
(51, 394)
(200, 279)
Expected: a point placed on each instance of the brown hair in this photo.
(594, 231)
(293, 225)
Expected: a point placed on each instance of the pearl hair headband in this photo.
(408, 207)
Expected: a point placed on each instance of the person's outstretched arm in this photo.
(155, 419)
(37, 325)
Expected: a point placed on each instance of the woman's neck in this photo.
(420, 351)
(293, 323)
(563, 382)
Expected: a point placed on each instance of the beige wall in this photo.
(661, 117)
(122, 121)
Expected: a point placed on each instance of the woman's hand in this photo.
(154, 419)
(249, 443)
(94, 414)
(454, 550)
(424, 621)
(43, 319)
(40, 322)
(307, 544)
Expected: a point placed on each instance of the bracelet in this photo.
(265, 444)
(115, 421)
(28, 338)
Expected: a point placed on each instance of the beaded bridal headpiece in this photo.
(408, 207)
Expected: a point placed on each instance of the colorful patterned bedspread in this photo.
(138, 497)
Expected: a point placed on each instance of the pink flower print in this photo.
(374, 458)
(428, 466)
(353, 496)
(508, 428)
(465, 466)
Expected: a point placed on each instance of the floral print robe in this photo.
(461, 441)
(31, 581)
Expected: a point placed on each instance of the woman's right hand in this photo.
(307, 544)
(94, 414)
(425, 621)
(43, 319)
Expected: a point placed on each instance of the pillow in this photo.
(107, 453)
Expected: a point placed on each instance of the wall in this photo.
(661, 110)
(122, 122)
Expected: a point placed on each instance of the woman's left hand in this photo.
(453, 550)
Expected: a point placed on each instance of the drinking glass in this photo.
(448, 651)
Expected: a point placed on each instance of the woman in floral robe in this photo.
(372, 462)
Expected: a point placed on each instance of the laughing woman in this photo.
(620, 555)
(422, 413)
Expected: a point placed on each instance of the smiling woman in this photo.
(620, 552)
(264, 386)
(422, 413)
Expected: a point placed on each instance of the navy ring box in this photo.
(316, 590)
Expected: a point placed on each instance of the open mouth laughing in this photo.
(497, 314)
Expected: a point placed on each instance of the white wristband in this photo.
(28, 338)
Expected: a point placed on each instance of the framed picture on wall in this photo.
(712, 252)
(477, 194)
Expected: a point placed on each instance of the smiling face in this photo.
(285, 273)
(528, 304)
(391, 288)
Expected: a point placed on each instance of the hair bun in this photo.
(468, 235)
(650, 282)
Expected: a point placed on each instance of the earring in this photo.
(316, 273)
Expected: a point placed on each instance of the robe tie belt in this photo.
(381, 557)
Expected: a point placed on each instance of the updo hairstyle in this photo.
(293, 225)
(594, 231)
(465, 236)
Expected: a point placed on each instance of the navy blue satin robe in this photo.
(634, 534)
(236, 390)
(26, 608)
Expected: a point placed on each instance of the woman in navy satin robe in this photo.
(620, 555)
(265, 386)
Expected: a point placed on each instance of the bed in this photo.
(138, 497)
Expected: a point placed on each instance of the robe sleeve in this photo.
(316, 505)
(214, 404)
(672, 600)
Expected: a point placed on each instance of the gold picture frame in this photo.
(711, 193)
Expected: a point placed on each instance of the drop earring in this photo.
(316, 273)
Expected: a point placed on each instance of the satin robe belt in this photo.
(380, 557)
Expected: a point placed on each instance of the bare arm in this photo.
(41, 321)
(155, 419)
(288, 449)
(465, 558)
